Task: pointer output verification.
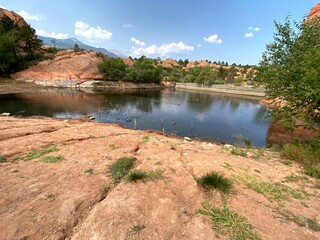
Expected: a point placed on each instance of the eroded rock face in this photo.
(67, 68)
(315, 12)
(13, 16)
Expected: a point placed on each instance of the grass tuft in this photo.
(52, 159)
(37, 153)
(215, 180)
(239, 152)
(2, 159)
(225, 221)
(273, 191)
(136, 175)
(89, 171)
(121, 167)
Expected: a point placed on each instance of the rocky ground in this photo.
(56, 184)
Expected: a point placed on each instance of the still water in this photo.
(207, 116)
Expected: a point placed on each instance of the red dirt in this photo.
(62, 201)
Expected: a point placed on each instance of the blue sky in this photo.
(233, 31)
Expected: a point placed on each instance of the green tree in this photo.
(290, 70)
(113, 69)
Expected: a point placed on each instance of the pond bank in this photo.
(237, 90)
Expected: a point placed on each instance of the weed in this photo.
(137, 228)
(174, 148)
(215, 180)
(113, 147)
(257, 155)
(106, 188)
(294, 178)
(136, 175)
(52, 159)
(39, 152)
(155, 174)
(317, 184)
(305, 152)
(275, 148)
(248, 143)
(286, 162)
(226, 221)
(273, 191)
(301, 220)
(228, 166)
(121, 167)
(158, 163)
(89, 171)
(239, 152)
(146, 139)
(50, 197)
(2, 159)
(304, 204)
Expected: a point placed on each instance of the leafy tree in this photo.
(30, 43)
(76, 47)
(113, 69)
(290, 70)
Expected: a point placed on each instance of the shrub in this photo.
(305, 152)
(2, 159)
(121, 167)
(52, 159)
(215, 180)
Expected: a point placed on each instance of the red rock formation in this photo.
(314, 13)
(127, 61)
(13, 16)
(66, 69)
(169, 63)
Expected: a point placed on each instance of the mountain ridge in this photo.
(69, 43)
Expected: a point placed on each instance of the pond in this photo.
(207, 116)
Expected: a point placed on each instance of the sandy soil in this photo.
(76, 198)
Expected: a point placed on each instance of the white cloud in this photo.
(29, 16)
(92, 34)
(199, 45)
(163, 50)
(137, 42)
(256, 29)
(4, 7)
(213, 39)
(52, 34)
(249, 34)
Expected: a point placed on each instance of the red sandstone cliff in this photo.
(66, 69)
(315, 12)
(13, 16)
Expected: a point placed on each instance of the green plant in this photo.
(228, 166)
(50, 197)
(137, 228)
(52, 159)
(146, 139)
(305, 152)
(112, 146)
(121, 167)
(2, 159)
(301, 220)
(239, 152)
(39, 152)
(215, 180)
(106, 188)
(273, 191)
(89, 171)
(136, 175)
(294, 178)
(226, 221)
(155, 174)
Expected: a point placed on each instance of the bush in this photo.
(305, 152)
(215, 180)
(136, 175)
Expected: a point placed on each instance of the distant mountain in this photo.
(70, 42)
(116, 52)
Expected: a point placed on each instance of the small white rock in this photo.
(5, 114)
(187, 139)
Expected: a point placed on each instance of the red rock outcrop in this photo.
(67, 68)
(314, 13)
(127, 61)
(169, 63)
(13, 16)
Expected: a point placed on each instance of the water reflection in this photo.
(194, 114)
